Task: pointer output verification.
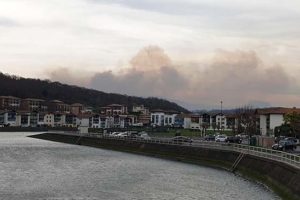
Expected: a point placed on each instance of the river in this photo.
(37, 169)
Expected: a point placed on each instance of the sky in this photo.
(194, 52)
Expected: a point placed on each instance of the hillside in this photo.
(45, 89)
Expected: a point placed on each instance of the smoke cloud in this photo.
(72, 77)
(236, 77)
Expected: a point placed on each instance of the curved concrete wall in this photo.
(282, 178)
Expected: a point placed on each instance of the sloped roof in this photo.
(76, 104)
(33, 99)
(11, 97)
(276, 110)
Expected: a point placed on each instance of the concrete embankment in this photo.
(281, 178)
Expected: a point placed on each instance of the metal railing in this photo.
(284, 157)
(280, 156)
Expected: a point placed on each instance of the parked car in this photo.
(278, 138)
(210, 138)
(291, 139)
(233, 139)
(284, 145)
(182, 139)
(123, 134)
(145, 136)
(220, 138)
(114, 134)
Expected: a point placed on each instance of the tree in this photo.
(293, 120)
(246, 119)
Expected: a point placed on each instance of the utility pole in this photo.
(221, 116)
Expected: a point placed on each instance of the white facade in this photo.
(263, 124)
(268, 122)
(221, 121)
(10, 119)
(276, 120)
(195, 126)
(141, 109)
(157, 118)
(83, 122)
(101, 121)
(162, 119)
(187, 122)
(49, 120)
(169, 119)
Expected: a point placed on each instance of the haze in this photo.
(195, 52)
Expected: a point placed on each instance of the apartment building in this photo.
(269, 118)
(59, 107)
(9, 103)
(163, 118)
(114, 109)
(31, 104)
(76, 108)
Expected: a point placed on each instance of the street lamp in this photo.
(221, 115)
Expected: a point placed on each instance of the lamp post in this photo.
(221, 115)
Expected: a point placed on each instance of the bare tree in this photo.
(293, 120)
(246, 119)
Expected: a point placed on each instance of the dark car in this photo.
(293, 141)
(233, 139)
(182, 139)
(210, 138)
(284, 145)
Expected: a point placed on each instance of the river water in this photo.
(37, 169)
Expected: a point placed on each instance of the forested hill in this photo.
(44, 89)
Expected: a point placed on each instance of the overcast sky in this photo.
(196, 52)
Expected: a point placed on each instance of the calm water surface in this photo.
(36, 169)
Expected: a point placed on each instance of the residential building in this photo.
(179, 121)
(142, 113)
(114, 109)
(76, 108)
(59, 106)
(23, 119)
(219, 121)
(59, 119)
(269, 118)
(9, 103)
(49, 119)
(8, 118)
(84, 120)
(31, 104)
(163, 118)
(70, 120)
